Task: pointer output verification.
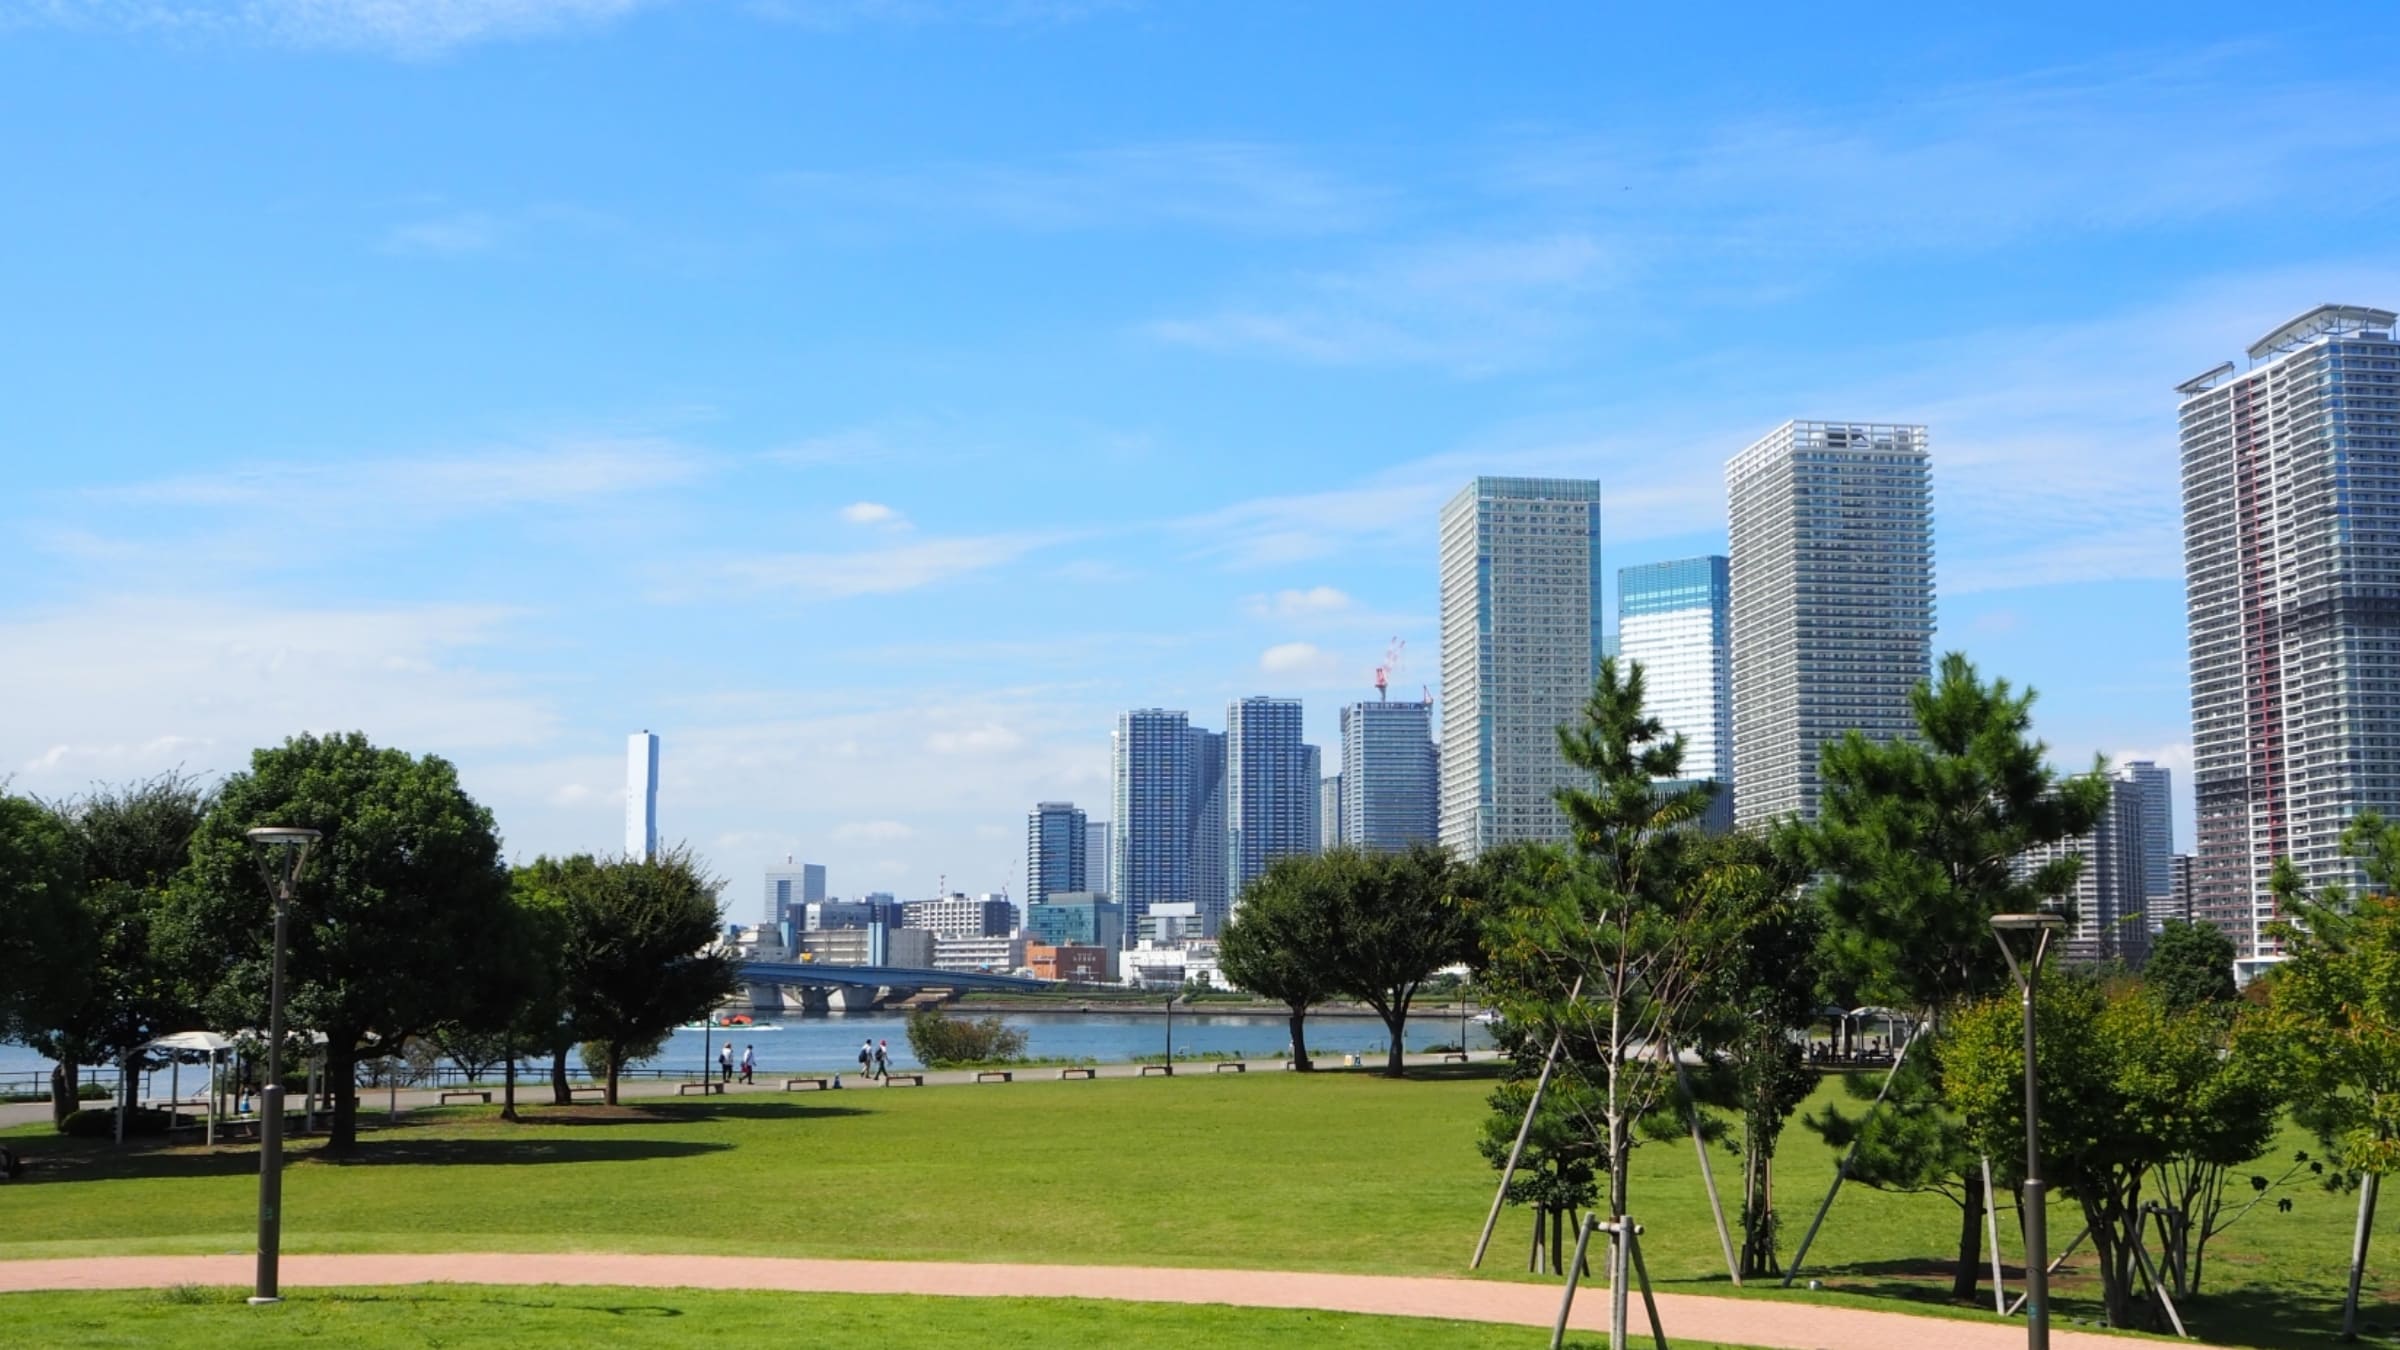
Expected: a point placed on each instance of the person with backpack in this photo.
(883, 1060)
(866, 1058)
(725, 1062)
(749, 1064)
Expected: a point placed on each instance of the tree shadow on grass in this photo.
(698, 1113)
(1488, 1070)
(403, 1299)
(509, 1151)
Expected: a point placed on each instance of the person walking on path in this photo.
(883, 1060)
(725, 1062)
(866, 1058)
(749, 1063)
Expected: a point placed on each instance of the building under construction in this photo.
(2291, 528)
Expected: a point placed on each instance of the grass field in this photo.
(539, 1315)
(1337, 1172)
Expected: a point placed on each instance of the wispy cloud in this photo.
(403, 27)
(465, 232)
(882, 571)
(1297, 604)
(872, 513)
(444, 484)
(2089, 147)
(1239, 186)
(1474, 306)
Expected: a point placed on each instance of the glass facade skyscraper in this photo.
(1271, 784)
(1151, 809)
(641, 796)
(1390, 795)
(1057, 860)
(1831, 598)
(1521, 630)
(2291, 541)
(1674, 620)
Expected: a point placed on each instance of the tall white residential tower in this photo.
(1521, 629)
(641, 796)
(1831, 586)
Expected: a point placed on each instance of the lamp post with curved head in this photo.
(2040, 928)
(282, 852)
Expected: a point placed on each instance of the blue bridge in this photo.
(861, 986)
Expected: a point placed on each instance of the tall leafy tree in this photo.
(1278, 942)
(405, 885)
(1393, 923)
(2191, 965)
(1918, 842)
(1611, 946)
(1764, 995)
(120, 991)
(42, 933)
(639, 956)
(2129, 1084)
(2335, 1002)
(547, 1019)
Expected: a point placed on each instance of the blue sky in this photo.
(872, 398)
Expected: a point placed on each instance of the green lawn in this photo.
(544, 1315)
(1339, 1172)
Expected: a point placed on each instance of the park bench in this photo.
(1149, 1069)
(1077, 1071)
(1232, 1066)
(996, 1076)
(595, 1090)
(716, 1085)
(912, 1079)
(1454, 1057)
(462, 1094)
(813, 1084)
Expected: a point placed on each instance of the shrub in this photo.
(93, 1123)
(941, 1042)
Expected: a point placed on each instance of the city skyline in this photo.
(774, 381)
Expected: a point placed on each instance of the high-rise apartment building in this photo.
(2291, 542)
(1831, 600)
(2179, 902)
(1674, 620)
(1151, 809)
(1312, 796)
(1210, 893)
(1271, 784)
(1390, 796)
(2111, 912)
(1329, 813)
(641, 796)
(1095, 857)
(1057, 859)
(1521, 632)
(2158, 836)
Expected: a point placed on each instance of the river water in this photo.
(829, 1042)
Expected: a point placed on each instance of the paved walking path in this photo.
(1774, 1325)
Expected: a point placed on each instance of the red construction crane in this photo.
(1389, 668)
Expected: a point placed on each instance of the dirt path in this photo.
(1778, 1325)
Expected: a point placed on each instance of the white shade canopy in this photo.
(192, 1042)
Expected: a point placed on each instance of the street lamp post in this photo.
(282, 852)
(2042, 926)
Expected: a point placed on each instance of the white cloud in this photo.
(883, 571)
(122, 688)
(871, 513)
(1305, 660)
(404, 27)
(989, 738)
(1296, 604)
(435, 484)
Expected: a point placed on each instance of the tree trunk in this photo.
(508, 1085)
(2358, 1254)
(66, 1089)
(1300, 1038)
(1969, 1276)
(559, 1095)
(1395, 1020)
(341, 1066)
(612, 1075)
(2113, 1238)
